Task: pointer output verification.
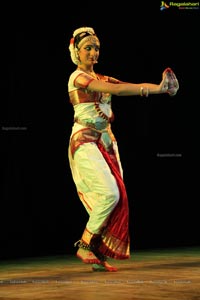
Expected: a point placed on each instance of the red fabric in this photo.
(116, 241)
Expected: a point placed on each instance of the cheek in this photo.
(85, 54)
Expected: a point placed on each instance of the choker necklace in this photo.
(88, 72)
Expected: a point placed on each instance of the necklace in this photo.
(91, 73)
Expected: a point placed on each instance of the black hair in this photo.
(80, 36)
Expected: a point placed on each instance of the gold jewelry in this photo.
(146, 94)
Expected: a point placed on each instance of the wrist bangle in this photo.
(141, 91)
(147, 92)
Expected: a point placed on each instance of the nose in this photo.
(93, 51)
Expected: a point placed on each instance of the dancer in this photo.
(93, 151)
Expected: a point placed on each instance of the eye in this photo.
(88, 48)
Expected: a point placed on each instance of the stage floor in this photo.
(172, 274)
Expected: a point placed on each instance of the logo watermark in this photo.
(179, 5)
(169, 155)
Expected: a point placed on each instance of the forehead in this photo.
(95, 44)
(90, 41)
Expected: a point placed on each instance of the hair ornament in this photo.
(89, 30)
(73, 52)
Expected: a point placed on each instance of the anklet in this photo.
(83, 245)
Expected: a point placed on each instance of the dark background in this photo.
(157, 137)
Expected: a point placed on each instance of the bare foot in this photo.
(87, 256)
(104, 266)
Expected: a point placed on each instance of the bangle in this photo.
(141, 91)
(147, 92)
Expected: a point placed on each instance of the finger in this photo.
(174, 80)
(165, 83)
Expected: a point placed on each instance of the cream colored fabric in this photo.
(96, 186)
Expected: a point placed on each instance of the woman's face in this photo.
(89, 52)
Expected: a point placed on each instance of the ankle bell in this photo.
(83, 245)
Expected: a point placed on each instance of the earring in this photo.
(77, 55)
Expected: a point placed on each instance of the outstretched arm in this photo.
(142, 89)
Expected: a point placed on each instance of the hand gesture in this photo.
(171, 81)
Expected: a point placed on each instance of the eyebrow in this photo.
(96, 45)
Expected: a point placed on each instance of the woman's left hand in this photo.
(170, 79)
